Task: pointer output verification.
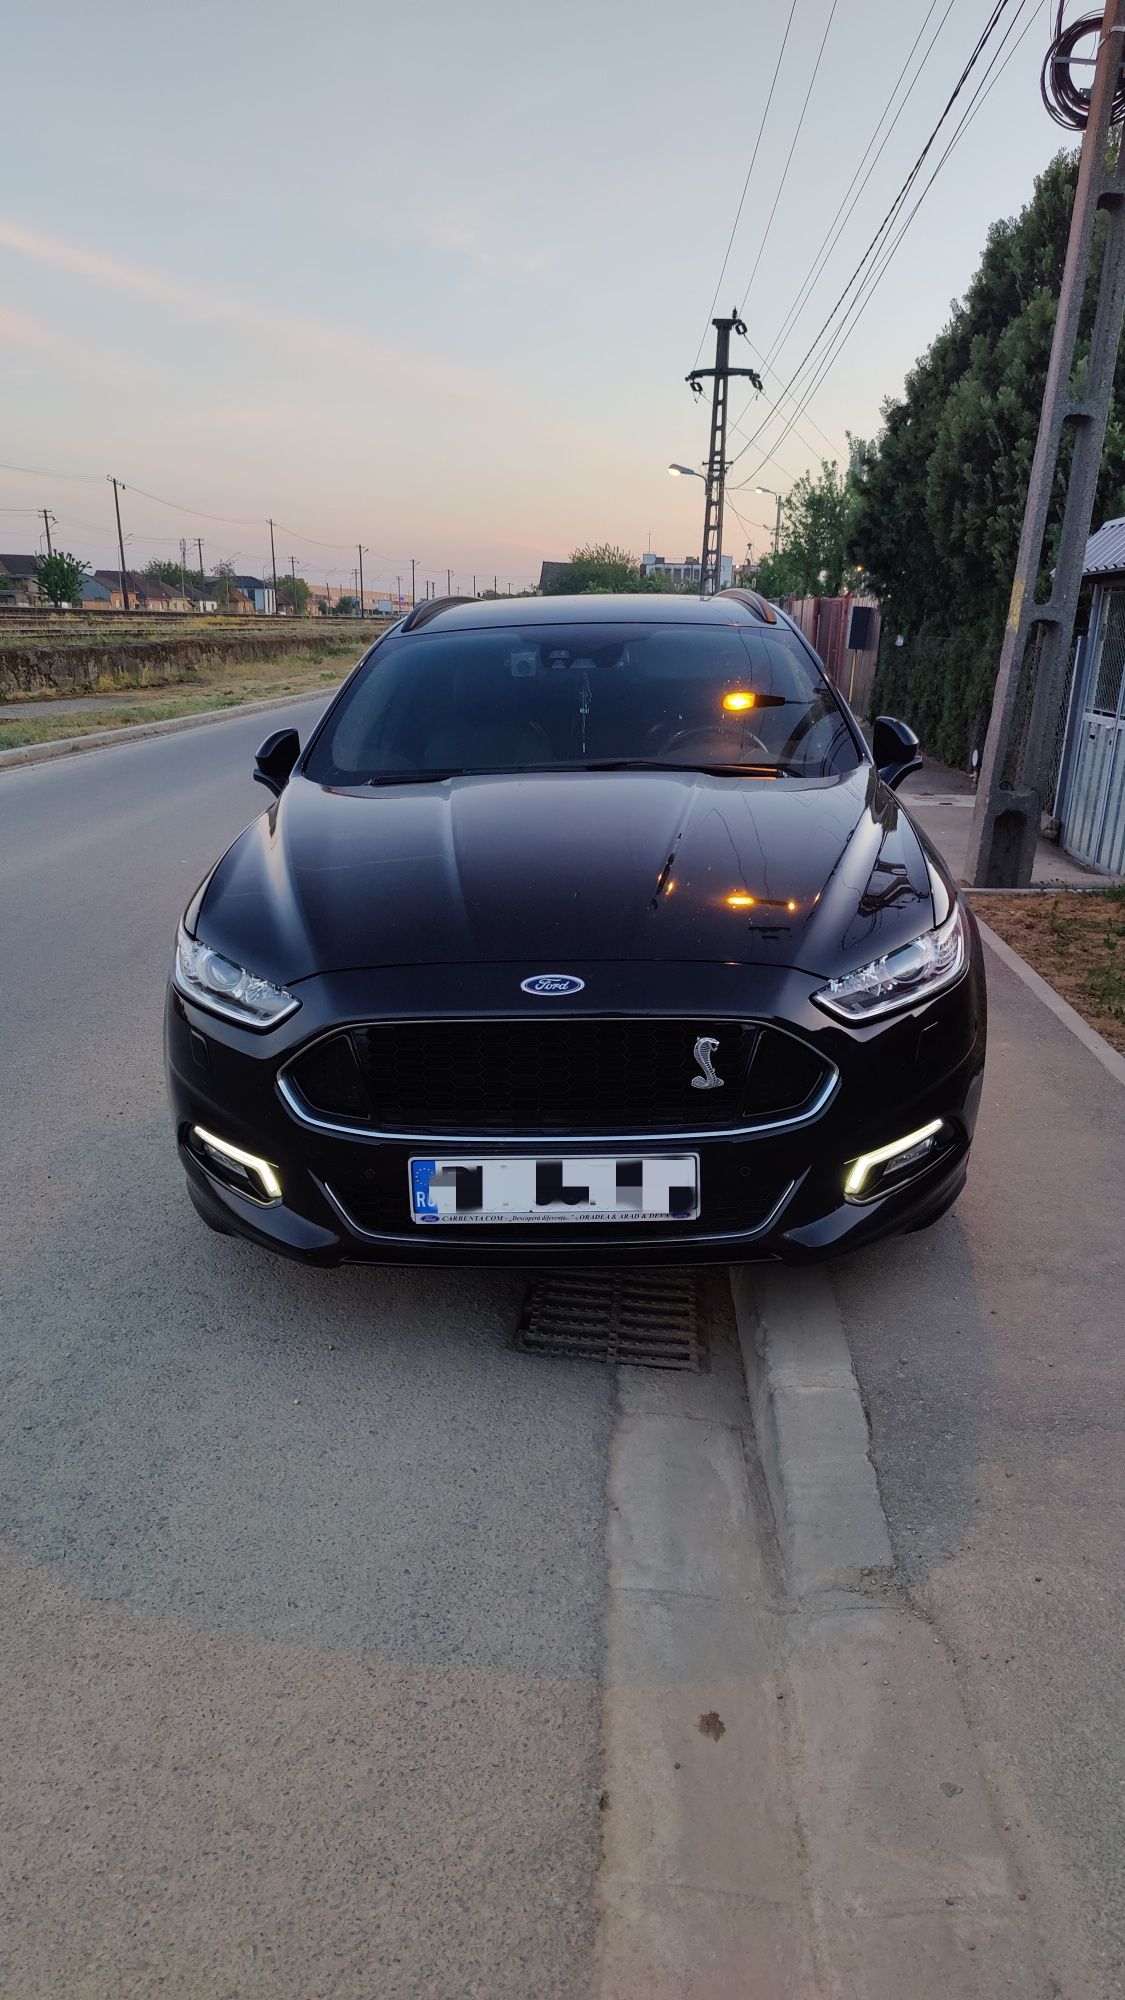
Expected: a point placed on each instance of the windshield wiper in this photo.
(595, 764)
(419, 777)
(667, 764)
(467, 771)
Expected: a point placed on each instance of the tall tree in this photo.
(940, 493)
(812, 558)
(163, 570)
(223, 585)
(292, 594)
(59, 577)
(598, 567)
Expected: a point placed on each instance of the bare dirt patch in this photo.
(1076, 941)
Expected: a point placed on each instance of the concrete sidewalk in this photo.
(941, 800)
(990, 1356)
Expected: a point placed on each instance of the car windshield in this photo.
(570, 696)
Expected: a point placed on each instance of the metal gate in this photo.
(1094, 808)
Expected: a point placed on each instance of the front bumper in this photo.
(767, 1196)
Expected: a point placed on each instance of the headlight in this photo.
(920, 969)
(228, 989)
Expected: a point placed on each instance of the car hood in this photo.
(550, 869)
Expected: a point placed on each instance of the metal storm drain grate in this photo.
(615, 1316)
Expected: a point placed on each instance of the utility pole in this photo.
(120, 541)
(273, 566)
(449, 583)
(47, 530)
(398, 593)
(495, 592)
(1031, 679)
(413, 586)
(710, 567)
(777, 518)
(474, 586)
(360, 550)
(183, 567)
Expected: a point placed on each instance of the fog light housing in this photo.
(874, 1172)
(243, 1171)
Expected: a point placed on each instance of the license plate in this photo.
(627, 1188)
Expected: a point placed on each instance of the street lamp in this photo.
(777, 523)
(689, 472)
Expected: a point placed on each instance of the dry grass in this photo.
(221, 686)
(53, 632)
(1076, 941)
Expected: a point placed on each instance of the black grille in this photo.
(555, 1077)
(377, 1200)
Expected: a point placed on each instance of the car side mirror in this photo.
(895, 749)
(275, 760)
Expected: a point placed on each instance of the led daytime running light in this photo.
(867, 1162)
(266, 1174)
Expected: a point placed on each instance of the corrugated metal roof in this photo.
(1105, 550)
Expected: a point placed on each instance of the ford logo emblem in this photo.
(552, 985)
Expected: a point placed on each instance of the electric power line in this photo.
(37, 472)
(788, 158)
(776, 463)
(337, 546)
(863, 298)
(177, 507)
(831, 234)
(822, 365)
(746, 182)
(894, 210)
(767, 369)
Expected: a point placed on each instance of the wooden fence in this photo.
(845, 632)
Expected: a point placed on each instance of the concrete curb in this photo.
(1099, 1048)
(1096, 886)
(102, 739)
(811, 1429)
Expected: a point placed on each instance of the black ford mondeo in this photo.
(582, 930)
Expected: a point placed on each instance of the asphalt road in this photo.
(303, 1574)
(991, 1354)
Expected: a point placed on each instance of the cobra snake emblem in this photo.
(704, 1049)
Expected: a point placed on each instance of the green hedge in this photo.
(941, 684)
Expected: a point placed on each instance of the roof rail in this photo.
(429, 608)
(753, 601)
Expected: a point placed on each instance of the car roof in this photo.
(454, 614)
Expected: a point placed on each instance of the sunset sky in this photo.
(431, 278)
